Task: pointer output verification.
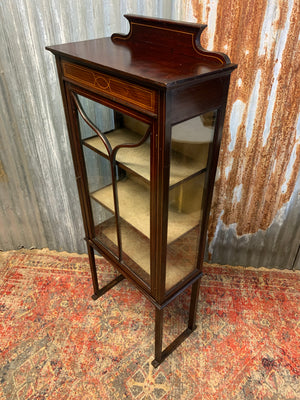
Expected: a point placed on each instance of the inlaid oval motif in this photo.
(102, 82)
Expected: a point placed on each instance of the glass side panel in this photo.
(189, 153)
(120, 202)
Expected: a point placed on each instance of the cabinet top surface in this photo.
(157, 51)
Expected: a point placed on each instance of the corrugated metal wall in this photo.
(38, 196)
(255, 216)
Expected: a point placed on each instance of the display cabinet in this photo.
(145, 113)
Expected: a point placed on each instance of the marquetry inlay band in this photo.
(128, 92)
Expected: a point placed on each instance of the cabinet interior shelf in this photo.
(136, 251)
(134, 207)
(137, 160)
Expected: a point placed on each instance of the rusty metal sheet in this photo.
(260, 154)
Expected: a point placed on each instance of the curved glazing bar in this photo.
(91, 124)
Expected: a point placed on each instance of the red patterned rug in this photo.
(57, 343)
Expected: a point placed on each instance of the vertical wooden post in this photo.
(158, 336)
(193, 305)
(93, 269)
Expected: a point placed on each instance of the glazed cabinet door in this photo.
(114, 143)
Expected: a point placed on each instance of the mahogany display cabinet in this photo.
(145, 113)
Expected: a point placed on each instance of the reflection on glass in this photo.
(120, 203)
(134, 197)
(189, 152)
(101, 195)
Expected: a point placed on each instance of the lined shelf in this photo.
(134, 207)
(136, 247)
(137, 159)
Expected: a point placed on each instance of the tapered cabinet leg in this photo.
(160, 354)
(91, 254)
(100, 292)
(158, 337)
(193, 305)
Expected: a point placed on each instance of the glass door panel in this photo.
(99, 179)
(189, 153)
(116, 149)
(133, 189)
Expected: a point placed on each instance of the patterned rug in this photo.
(57, 343)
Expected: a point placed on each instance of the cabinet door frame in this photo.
(81, 173)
